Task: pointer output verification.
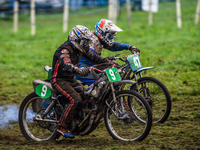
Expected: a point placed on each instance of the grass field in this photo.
(175, 54)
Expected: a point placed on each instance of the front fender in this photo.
(124, 82)
(106, 94)
(142, 69)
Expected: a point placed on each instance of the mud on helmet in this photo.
(80, 36)
(106, 31)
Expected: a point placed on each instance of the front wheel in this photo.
(129, 118)
(156, 93)
(31, 107)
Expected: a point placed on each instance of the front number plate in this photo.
(134, 61)
(113, 74)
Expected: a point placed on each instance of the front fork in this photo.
(117, 111)
(144, 88)
(114, 97)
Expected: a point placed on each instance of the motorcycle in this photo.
(152, 89)
(126, 114)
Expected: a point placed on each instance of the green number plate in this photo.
(43, 91)
(113, 74)
(134, 61)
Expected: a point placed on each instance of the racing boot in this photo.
(66, 134)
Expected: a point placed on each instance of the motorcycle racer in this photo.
(64, 67)
(103, 37)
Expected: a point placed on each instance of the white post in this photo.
(32, 17)
(128, 11)
(115, 9)
(150, 12)
(178, 13)
(112, 10)
(118, 10)
(197, 12)
(65, 15)
(15, 21)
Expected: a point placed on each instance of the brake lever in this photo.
(136, 53)
(124, 58)
(115, 56)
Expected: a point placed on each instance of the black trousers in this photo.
(66, 87)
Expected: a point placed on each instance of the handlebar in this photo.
(102, 64)
(115, 57)
(92, 69)
(124, 58)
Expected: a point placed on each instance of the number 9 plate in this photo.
(113, 75)
(43, 91)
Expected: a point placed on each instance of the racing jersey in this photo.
(66, 59)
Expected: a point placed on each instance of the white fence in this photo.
(113, 8)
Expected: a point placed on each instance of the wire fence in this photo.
(7, 6)
(54, 6)
(91, 7)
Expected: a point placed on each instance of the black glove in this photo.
(83, 71)
(68, 67)
(134, 49)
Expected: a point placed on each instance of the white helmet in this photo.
(106, 31)
(80, 36)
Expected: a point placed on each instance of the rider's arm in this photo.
(117, 47)
(95, 58)
(66, 63)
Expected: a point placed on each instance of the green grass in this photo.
(175, 54)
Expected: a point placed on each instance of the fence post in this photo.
(150, 12)
(197, 12)
(178, 13)
(112, 10)
(32, 17)
(65, 15)
(15, 21)
(128, 12)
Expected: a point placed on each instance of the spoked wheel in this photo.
(130, 118)
(156, 93)
(30, 119)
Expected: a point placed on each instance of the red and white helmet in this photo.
(80, 37)
(106, 31)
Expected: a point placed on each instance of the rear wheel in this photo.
(32, 128)
(130, 118)
(156, 93)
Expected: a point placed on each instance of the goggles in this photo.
(110, 35)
